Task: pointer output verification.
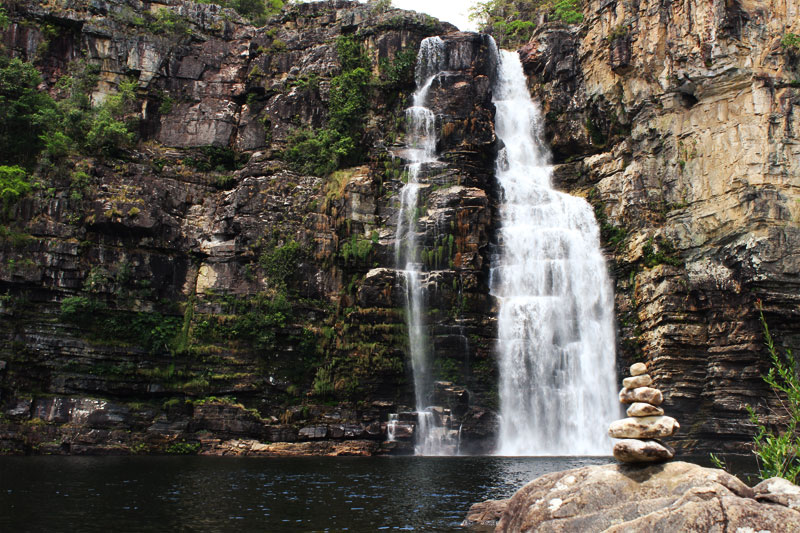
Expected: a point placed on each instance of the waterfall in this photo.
(555, 321)
(431, 435)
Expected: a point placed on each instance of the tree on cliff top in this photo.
(511, 22)
(23, 112)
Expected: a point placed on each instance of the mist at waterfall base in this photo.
(275, 495)
(555, 321)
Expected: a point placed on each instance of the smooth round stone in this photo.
(641, 394)
(644, 409)
(642, 451)
(646, 427)
(637, 369)
(643, 380)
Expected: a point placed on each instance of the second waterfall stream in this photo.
(556, 312)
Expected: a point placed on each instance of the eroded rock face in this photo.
(670, 497)
(678, 121)
(237, 297)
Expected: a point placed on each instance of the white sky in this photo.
(453, 11)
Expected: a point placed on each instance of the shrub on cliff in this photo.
(322, 151)
(13, 185)
(791, 42)
(32, 122)
(511, 22)
(777, 451)
(256, 11)
(24, 112)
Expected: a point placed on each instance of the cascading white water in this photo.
(431, 437)
(555, 322)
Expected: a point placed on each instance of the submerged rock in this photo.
(670, 497)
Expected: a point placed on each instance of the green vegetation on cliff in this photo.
(322, 151)
(791, 41)
(511, 22)
(778, 452)
(256, 11)
(32, 123)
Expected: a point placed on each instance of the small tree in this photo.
(13, 185)
(777, 453)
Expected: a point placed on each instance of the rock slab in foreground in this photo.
(673, 496)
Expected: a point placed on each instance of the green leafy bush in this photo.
(357, 249)
(31, 122)
(348, 100)
(658, 252)
(24, 112)
(169, 23)
(317, 152)
(282, 262)
(256, 11)
(791, 41)
(152, 331)
(106, 135)
(183, 448)
(568, 11)
(256, 321)
(322, 151)
(399, 72)
(323, 382)
(512, 22)
(13, 185)
(4, 20)
(777, 452)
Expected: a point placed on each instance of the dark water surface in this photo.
(117, 494)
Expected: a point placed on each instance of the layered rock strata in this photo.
(201, 273)
(645, 424)
(679, 122)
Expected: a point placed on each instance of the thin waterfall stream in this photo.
(555, 323)
(432, 437)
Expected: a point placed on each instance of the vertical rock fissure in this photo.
(555, 321)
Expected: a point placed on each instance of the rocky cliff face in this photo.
(199, 294)
(678, 121)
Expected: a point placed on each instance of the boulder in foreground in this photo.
(674, 496)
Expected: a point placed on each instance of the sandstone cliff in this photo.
(678, 121)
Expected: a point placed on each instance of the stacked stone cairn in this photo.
(645, 424)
